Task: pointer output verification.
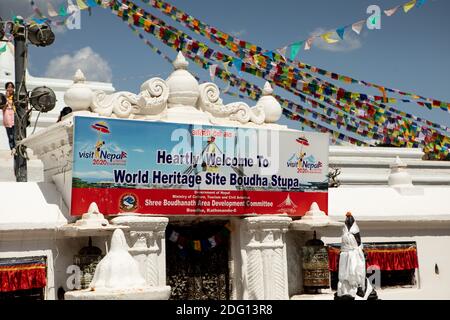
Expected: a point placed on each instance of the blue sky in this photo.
(410, 52)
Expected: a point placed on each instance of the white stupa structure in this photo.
(397, 204)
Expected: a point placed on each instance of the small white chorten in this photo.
(184, 88)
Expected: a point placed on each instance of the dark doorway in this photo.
(197, 260)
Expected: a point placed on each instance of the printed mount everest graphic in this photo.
(123, 166)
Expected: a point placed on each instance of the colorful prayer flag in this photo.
(82, 5)
(327, 38)
(309, 43)
(341, 32)
(357, 27)
(51, 10)
(408, 6)
(391, 12)
(212, 71)
(295, 48)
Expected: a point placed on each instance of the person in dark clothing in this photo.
(64, 112)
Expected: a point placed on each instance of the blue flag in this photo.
(238, 64)
(341, 32)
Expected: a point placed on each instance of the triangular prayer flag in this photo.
(51, 10)
(391, 12)
(282, 52)
(39, 21)
(408, 6)
(212, 71)
(91, 3)
(327, 38)
(238, 64)
(295, 48)
(341, 32)
(357, 27)
(225, 65)
(82, 5)
(269, 54)
(63, 11)
(309, 43)
(420, 3)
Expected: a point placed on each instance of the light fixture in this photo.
(43, 99)
(40, 35)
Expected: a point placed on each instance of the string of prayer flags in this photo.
(403, 132)
(186, 243)
(250, 50)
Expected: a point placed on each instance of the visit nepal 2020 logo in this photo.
(101, 155)
(304, 162)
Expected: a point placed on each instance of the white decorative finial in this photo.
(267, 90)
(314, 212)
(399, 177)
(93, 218)
(272, 108)
(180, 62)
(398, 163)
(93, 208)
(314, 207)
(79, 77)
(79, 96)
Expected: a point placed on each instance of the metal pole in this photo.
(21, 103)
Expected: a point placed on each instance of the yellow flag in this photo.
(82, 5)
(327, 38)
(408, 6)
(197, 245)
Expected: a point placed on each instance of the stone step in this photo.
(35, 168)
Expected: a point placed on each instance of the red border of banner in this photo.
(175, 202)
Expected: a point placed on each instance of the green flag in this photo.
(295, 48)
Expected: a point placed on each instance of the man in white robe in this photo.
(352, 263)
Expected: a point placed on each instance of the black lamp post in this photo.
(42, 99)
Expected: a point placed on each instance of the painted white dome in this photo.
(79, 96)
(271, 106)
(184, 88)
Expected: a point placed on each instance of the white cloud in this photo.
(94, 174)
(94, 67)
(351, 41)
(138, 150)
